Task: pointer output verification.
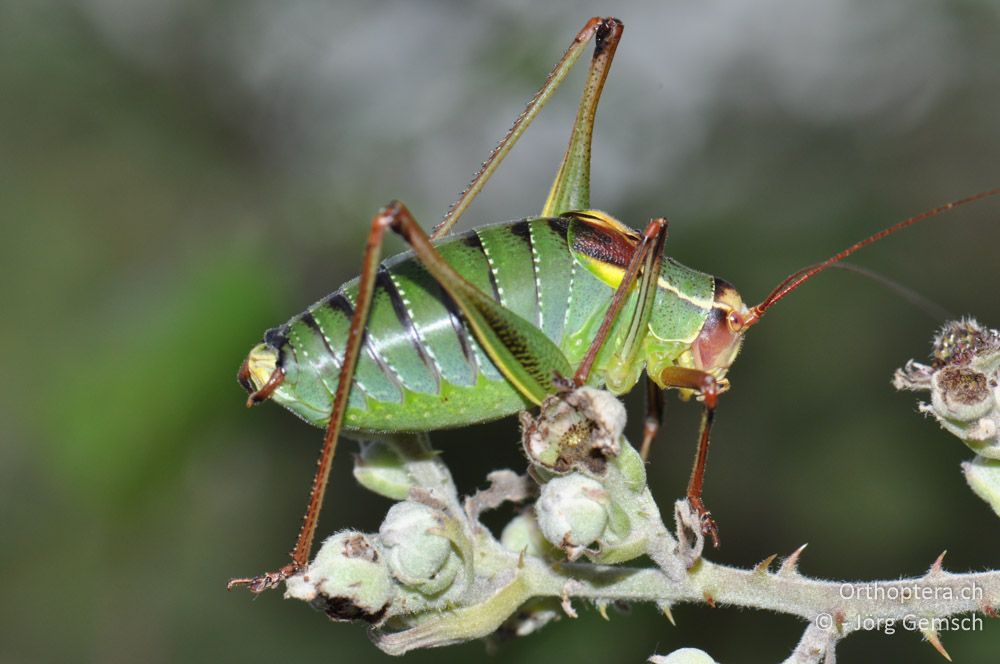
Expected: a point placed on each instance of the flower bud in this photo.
(348, 579)
(632, 468)
(983, 475)
(418, 556)
(380, 469)
(962, 379)
(523, 534)
(961, 394)
(684, 656)
(572, 512)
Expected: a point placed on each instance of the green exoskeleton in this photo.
(473, 327)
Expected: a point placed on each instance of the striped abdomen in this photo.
(420, 367)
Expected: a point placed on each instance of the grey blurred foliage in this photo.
(175, 177)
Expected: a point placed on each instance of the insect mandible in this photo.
(477, 326)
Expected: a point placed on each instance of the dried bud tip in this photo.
(961, 340)
(578, 430)
(566, 601)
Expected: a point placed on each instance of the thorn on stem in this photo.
(936, 567)
(709, 600)
(762, 566)
(932, 638)
(791, 564)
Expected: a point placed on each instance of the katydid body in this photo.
(421, 367)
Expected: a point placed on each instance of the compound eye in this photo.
(735, 322)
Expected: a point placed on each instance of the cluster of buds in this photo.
(433, 574)
(418, 551)
(963, 379)
(593, 500)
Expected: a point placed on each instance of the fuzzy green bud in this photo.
(419, 556)
(684, 656)
(572, 512)
(632, 468)
(380, 469)
(961, 394)
(348, 579)
(523, 534)
(983, 476)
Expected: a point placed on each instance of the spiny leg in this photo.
(607, 31)
(643, 269)
(709, 389)
(654, 416)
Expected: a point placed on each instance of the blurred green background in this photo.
(175, 177)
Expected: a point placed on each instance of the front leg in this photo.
(709, 389)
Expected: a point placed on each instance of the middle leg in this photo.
(654, 416)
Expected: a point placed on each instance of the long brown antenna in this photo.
(796, 279)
